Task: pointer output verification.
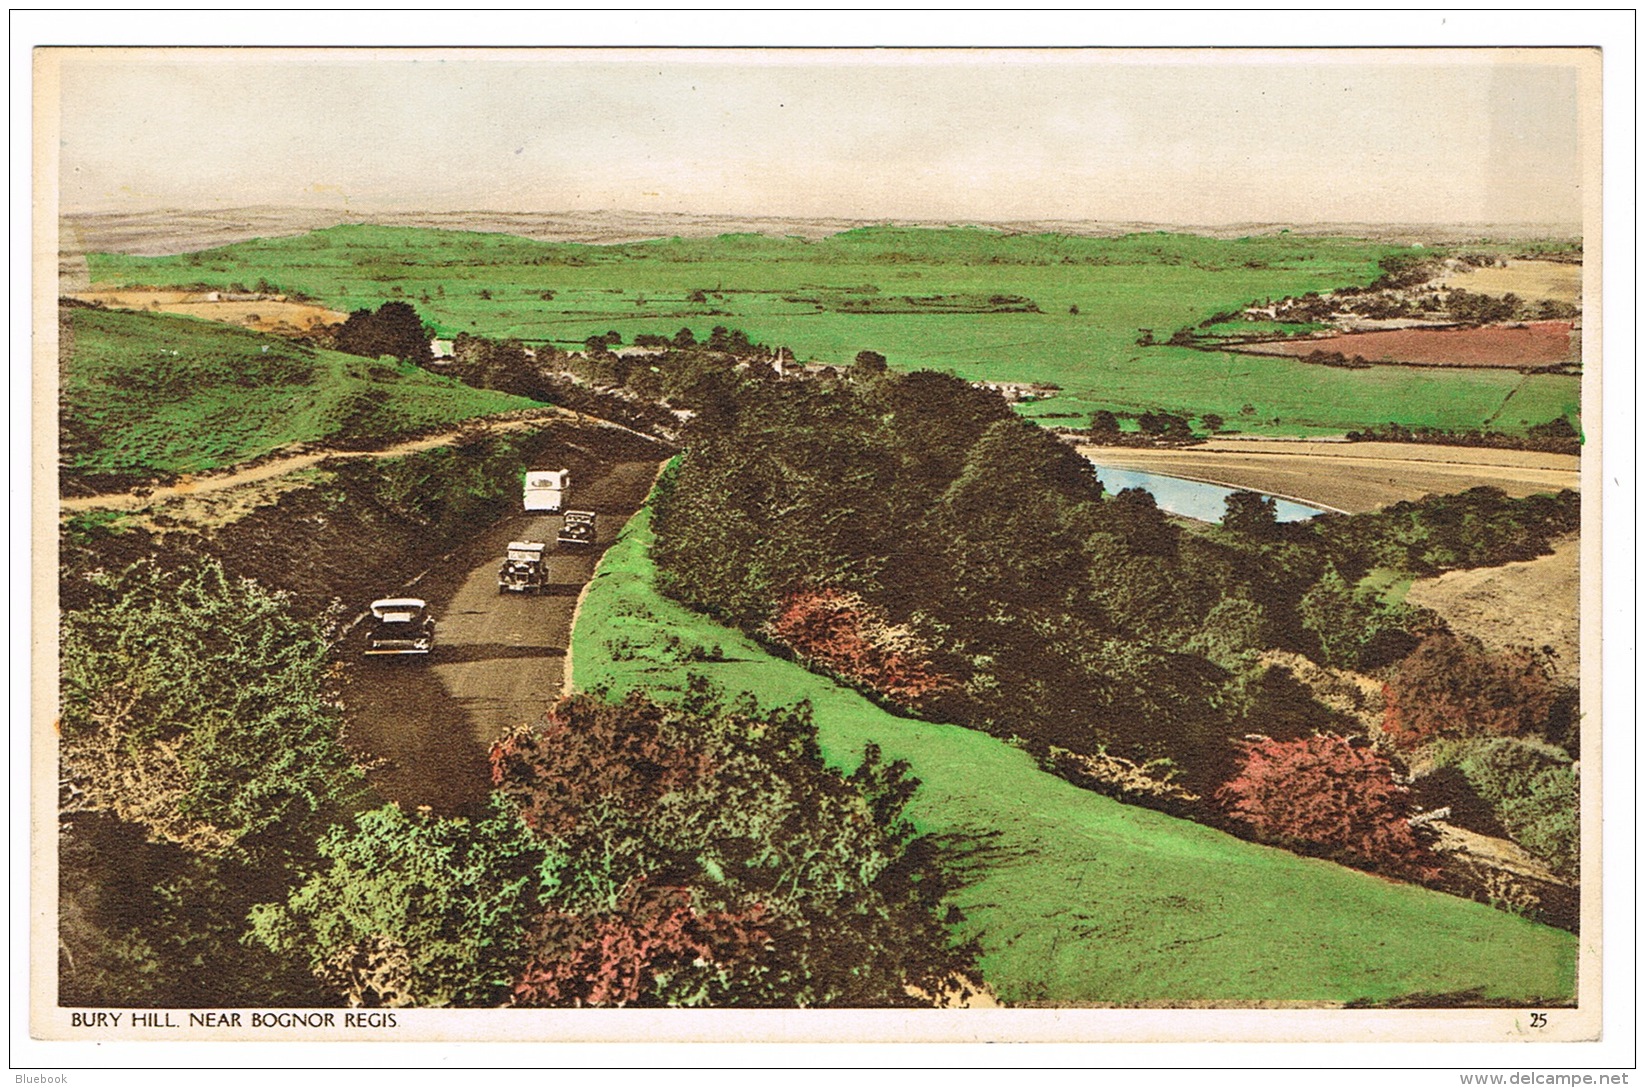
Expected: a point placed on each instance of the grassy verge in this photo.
(1075, 898)
(161, 394)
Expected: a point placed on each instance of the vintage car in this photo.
(400, 625)
(523, 570)
(578, 528)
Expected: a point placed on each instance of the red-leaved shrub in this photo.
(852, 638)
(1454, 687)
(653, 948)
(587, 751)
(1325, 795)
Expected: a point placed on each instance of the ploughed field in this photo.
(265, 313)
(1521, 346)
(983, 304)
(1535, 281)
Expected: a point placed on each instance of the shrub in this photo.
(843, 633)
(1453, 687)
(586, 752)
(198, 705)
(653, 947)
(1533, 788)
(1356, 628)
(412, 909)
(703, 855)
(1326, 795)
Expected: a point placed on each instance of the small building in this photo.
(1018, 392)
(786, 365)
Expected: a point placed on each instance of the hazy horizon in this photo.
(562, 212)
(1170, 138)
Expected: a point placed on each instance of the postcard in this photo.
(838, 544)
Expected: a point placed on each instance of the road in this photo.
(424, 725)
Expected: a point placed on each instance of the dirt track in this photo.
(1353, 477)
(498, 662)
(275, 466)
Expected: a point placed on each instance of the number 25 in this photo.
(1539, 1019)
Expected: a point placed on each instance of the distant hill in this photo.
(154, 233)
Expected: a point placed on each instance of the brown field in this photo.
(1534, 281)
(1531, 344)
(273, 313)
(1351, 477)
(1535, 603)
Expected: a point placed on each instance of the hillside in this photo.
(985, 304)
(1075, 898)
(147, 394)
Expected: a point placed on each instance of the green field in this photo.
(940, 299)
(157, 393)
(1073, 897)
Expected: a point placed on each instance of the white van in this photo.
(546, 490)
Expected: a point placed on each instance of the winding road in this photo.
(423, 725)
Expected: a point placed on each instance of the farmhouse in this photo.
(1018, 392)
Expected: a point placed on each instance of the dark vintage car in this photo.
(523, 570)
(578, 528)
(400, 625)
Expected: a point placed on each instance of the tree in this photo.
(1134, 516)
(197, 718)
(1356, 628)
(685, 339)
(1211, 422)
(394, 329)
(703, 855)
(1326, 795)
(869, 364)
(1105, 427)
(1251, 515)
(1164, 425)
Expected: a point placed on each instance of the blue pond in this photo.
(1190, 498)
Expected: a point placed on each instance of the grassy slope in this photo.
(161, 393)
(767, 286)
(1077, 898)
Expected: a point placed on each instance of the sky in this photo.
(1156, 136)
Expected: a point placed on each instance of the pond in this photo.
(1191, 498)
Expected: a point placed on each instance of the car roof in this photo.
(387, 605)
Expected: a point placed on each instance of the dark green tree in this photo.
(1251, 515)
